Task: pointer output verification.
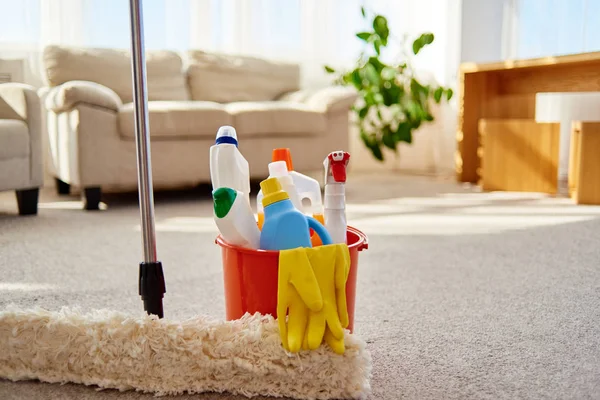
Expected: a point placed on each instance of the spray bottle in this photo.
(228, 167)
(335, 195)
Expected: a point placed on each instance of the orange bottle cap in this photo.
(283, 155)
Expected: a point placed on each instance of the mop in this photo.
(149, 353)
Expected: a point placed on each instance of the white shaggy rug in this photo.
(114, 350)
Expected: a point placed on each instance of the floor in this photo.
(461, 295)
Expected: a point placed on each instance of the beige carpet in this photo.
(462, 295)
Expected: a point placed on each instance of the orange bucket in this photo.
(251, 278)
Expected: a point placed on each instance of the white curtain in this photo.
(311, 32)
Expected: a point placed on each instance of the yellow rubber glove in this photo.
(297, 293)
(331, 264)
(337, 345)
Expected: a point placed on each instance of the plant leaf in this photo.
(437, 95)
(362, 113)
(356, 79)
(409, 137)
(372, 144)
(403, 133)
(413, 111)
(362, 11)
(391, 95)
(388, 139)
(379, 66)
(371, 74)
(422, 41)
(449, 94)
(415, 87)
(417, 46)
(380, 25)
(369, 98)
(377, 46)
(376, 150)
(364, 36)
(329, 69)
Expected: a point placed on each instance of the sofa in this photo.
(90, 120)
(21, 165)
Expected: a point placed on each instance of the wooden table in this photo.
(504, 93)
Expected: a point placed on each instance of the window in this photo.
(19, 22)
(556, 27)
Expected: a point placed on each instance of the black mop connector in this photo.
(152, 287)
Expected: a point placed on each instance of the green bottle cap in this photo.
(223, 200)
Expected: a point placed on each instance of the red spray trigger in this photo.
(338, 160)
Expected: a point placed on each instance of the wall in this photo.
(29, 61)
(482, 30)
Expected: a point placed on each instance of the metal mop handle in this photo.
(151, 280)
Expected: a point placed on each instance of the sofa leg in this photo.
(27, 200)
(62, 187)
(91, 198)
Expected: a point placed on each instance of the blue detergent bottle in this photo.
(285, 227)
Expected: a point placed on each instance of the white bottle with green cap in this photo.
(228, 167)
(235, 219)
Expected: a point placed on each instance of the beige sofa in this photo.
(21, 165)
(90, 119)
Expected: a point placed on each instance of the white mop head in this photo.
(113, 350)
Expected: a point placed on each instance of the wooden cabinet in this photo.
(519, 155)
(506, 91)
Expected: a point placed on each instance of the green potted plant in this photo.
(392, 101)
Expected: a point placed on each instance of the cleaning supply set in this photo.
(282, 303)
(313, 256)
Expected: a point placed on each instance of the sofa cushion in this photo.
(261, 118)
(112, 68)
(177, 119)
(14, 139)
(227, 78)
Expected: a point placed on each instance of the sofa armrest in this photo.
(328, 99)
(21, 102)
(64, 97)
(18, 101)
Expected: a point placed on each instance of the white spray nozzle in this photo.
(226, 134)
